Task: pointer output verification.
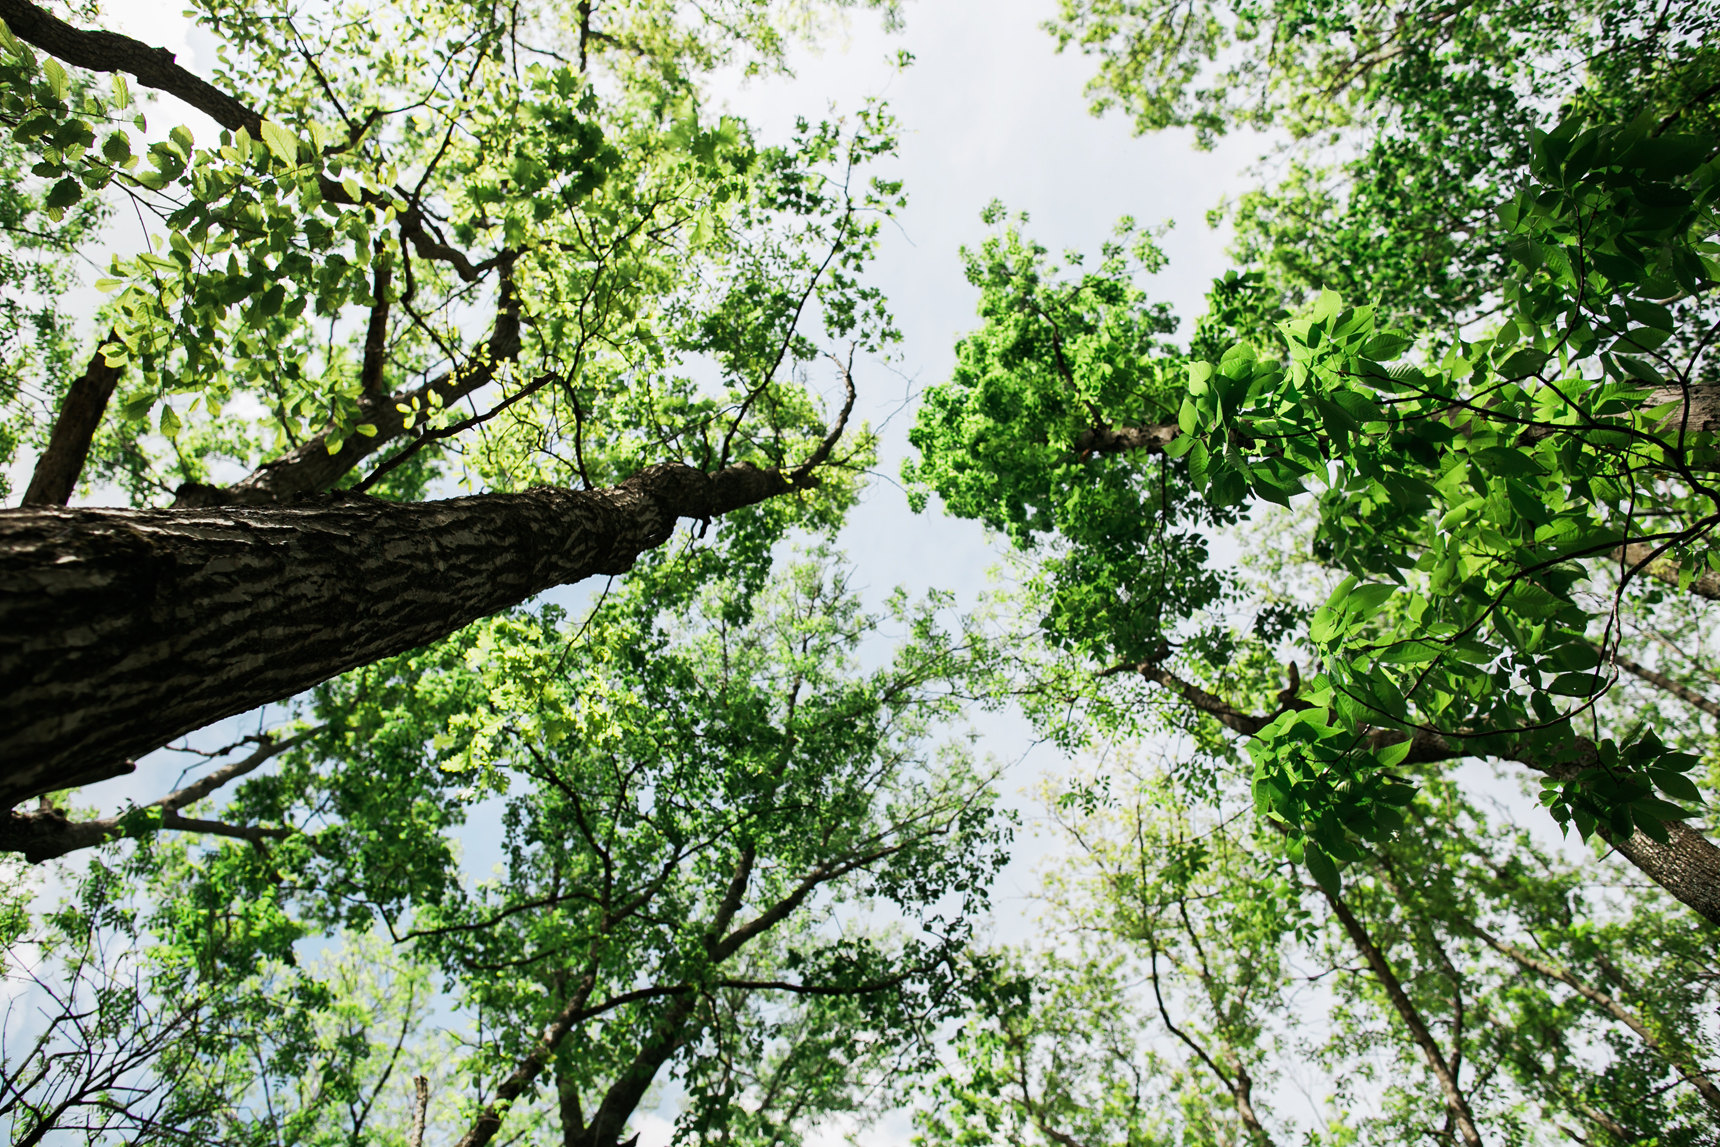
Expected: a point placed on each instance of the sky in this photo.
(988, 110)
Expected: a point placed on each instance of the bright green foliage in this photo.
(627, 229)
(1056, 356)
(1481, 922)
(1203, 993)
(36, 267)
(703, 800)
(159, 996)
(1467, 499)
(1408, 121)
(1482, 484)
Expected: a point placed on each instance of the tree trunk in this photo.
(123, 629)
(1455, 1101)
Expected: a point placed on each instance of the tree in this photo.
(1481, 489)
(706, 802)
(498, 232)
(1407, 123)
(1473, 988)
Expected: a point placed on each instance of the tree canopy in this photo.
(1371, 613)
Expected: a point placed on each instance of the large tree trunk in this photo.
(123, 629)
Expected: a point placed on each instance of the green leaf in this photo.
(1365, 601)
(1575, 684)
(116, 149)
(64, 193)
(1667, 156)
(1386, 346)
(1188, 418)
(1505, 461)
(283, 143)
(169, 422)
(56, 76)
(1639, 370)
(1322, 869)
(1393, 755)
(1523, 363)
(1675, 785)
(1180, 445)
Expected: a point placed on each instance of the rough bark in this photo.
(1120, 439)
(1687, 866)
(420, 1109)
(1662, 569)
(62, 463)
(111, 52)
(123, 629)
(625, 1094)
(1456, 1102)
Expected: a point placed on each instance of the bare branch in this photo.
(47, 832)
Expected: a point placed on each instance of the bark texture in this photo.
(123, 629)
(1121, 439)
(61, 464)
(111, 52)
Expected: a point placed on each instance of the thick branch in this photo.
(1687, 866)
(46, 833)
(311, 469)
(489, 1120)
(61, 464)
(1706, 585)
(1455, 1100)
(1654, 677)
(111, 52)
(101, 51)
(123, 629)
(1120, 439)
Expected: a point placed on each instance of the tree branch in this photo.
(101, 51)
(1636, 554)
(1455, 1100)
(46, 833)
(1682, 1062)
(1687, 866)
(311, 469)
(1654, 677)
(121, 630)
(1120, 439)
(62, 463)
